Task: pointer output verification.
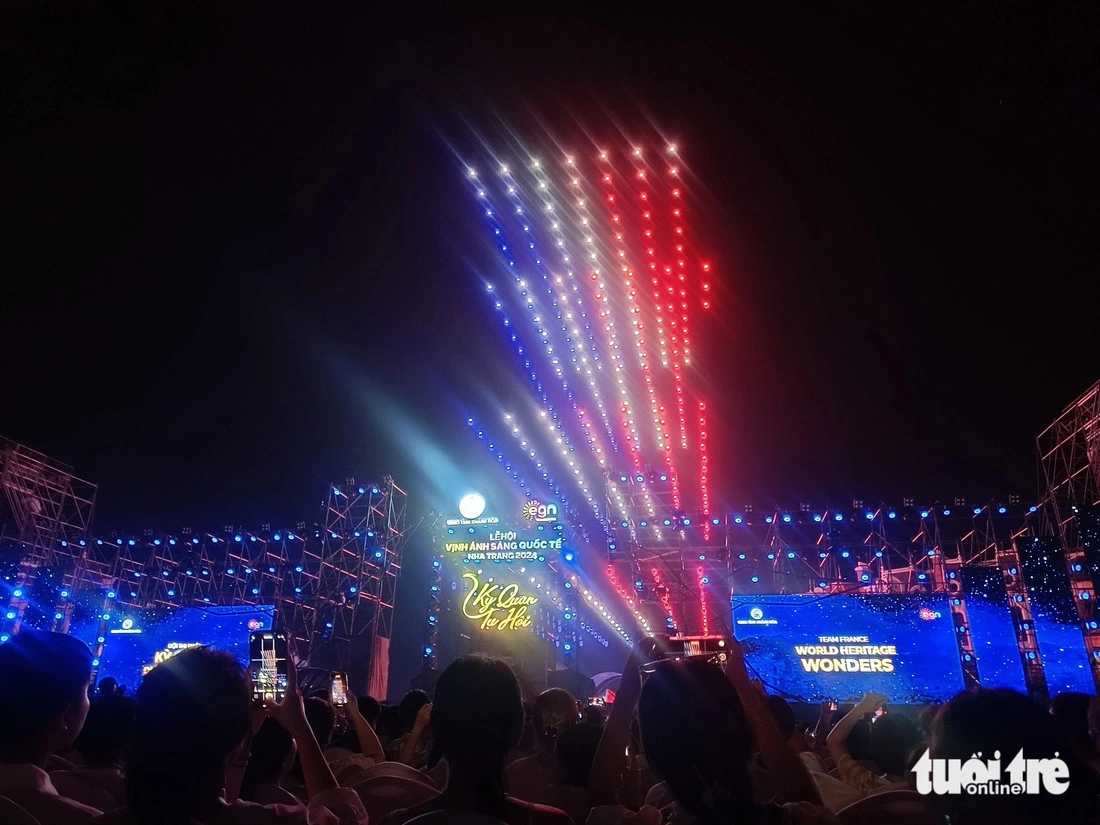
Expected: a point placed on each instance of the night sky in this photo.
(240, 257)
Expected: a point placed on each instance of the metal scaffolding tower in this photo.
(358, 566)
(1069, 460)
(51, 508)
(47, 502)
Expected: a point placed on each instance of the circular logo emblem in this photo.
(472, 505)
(757, 613)
(127, 624)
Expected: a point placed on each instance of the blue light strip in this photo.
(510, 466)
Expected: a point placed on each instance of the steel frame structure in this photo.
(51, 507)
(358, 567)
(331, 585)
(48, 502)
(866, 549)
(862, 550)
(1069, 462)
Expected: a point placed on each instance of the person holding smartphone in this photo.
(698, 728)
(893, 737)
(192, 739)
(343, 761)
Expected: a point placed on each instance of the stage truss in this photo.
(677, 571)
(51, 508)
(1069, 462)
(333, 584)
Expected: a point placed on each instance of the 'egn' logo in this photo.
(536, 511)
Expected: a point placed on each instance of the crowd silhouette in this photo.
(685, 742)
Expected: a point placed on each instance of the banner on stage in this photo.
(496, 606)
(504, 545)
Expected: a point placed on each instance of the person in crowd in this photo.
(414, 746)
(321, 718)
(346, 762)
(925, 719)
(699, 727)
(322, 721)
(574, 752)
(783, 714)
(1071, 712)
(348, 739)
(554, 712)
(108, 686)
(893, 739)
(1003, 721)
(698, 731)
(101, 746)
(192, 737)
(370, 710)
(476, 719)
(1094, 724)
(389, 725)
(834, 793)
(272, 756)
(44, 679)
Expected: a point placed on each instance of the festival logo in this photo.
(471, 505)
(472, 509)
(978, 777)
(495, 606)
(127, 628)
(756, 617)
(539, 512)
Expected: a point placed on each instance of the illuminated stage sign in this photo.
(495, 606)
(842, 658)
(126, 629)
(847, 645)
(504, 545)
(542, 513)
(472, 509)
(167, 653)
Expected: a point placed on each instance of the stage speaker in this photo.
(578, 686)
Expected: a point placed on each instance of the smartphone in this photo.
(268, 654)
(708, 648)
(338, 690)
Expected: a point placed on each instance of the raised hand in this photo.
(291, 712)
(424, 716)
(872, 702)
